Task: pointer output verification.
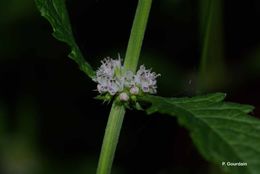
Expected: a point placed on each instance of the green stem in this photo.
(205, 48)
(110, 140)
(212, 71)
(137, 34)
(117, 112)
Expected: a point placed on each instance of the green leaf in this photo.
(222, 131)
(56, 13)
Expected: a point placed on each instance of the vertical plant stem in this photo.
(117, 112)
(110, 140)
(205, 49)
(212, 71)
(137, 34)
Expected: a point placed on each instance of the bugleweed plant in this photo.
(223, 132)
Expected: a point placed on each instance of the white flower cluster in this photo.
(112, 78)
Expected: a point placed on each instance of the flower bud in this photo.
(123, 97)
(134, 90)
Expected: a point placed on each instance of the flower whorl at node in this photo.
(113, 79)
(106, 77)
(146, 80)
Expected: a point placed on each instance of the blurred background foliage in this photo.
(49, 121)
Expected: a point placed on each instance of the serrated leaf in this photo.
(222, 131)
(56, 13)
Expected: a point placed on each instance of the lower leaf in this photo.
(223, 132)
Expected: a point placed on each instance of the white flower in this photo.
(107, 76)
(109, 67)
(128, 79)
(112, 78)
(146, 80)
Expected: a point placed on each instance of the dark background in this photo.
(49, 121)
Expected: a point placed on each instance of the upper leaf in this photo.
(222, 131)
(56, 13)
